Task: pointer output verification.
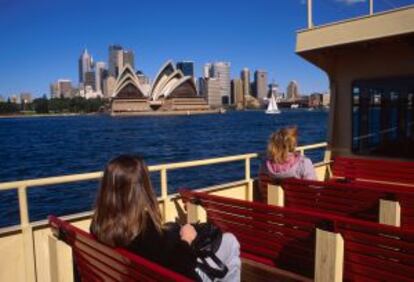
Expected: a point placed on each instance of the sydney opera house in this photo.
(170, 93)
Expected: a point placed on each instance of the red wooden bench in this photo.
(97, 262)
(380, 170)
(285, 238)
(268, 235)
(360, 200)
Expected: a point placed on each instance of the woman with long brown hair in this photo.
(127, 215)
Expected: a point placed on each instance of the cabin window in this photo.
(383, 117)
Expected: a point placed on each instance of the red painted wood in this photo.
(97, 262)
(372, 251)
(374, 169)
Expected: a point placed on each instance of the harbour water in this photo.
(52, 146)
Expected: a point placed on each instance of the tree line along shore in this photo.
(44, 106)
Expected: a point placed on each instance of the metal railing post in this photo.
(371, 7)
(310, 19)
(164, 192)
(28, 244)
(249, 192)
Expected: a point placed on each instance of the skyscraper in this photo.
(116, 60)
(90, 79)
(61, 89)
(260, 80)
(245, 77)
(100, 71)
(128, 57)
(108, 86)
(292, 91)
(221, 72)
(186, 67)
(237, 93)
(206, 70)
(85, 65)
(213, 89)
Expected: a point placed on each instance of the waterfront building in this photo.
(128, 57)
(186, 67)
(26, 97)
(221, 72)
(85, 65)
(213, 92)
(237, 93)
(90, 79)
(62, 88)
(108, 86)
(260, 81)
(170, 92)
(245, 77)
(116, 60)
(207, 70)
(315, 100)
(292, 91)
(100, 73)
(326, 99)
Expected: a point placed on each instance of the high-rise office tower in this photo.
(221, 72)
(61, 89)
(213, 91)
(90, 79)
(245, 77)
(85, 65)
(207, 70)
(292, 90)
(100, 71)
(128, 57)
(186, 67)
(108, 86)
(260, 81)
(116, 60)
(237, 97)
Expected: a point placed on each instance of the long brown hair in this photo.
(281, 143)
(125, 202)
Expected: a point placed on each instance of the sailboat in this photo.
(272, 106)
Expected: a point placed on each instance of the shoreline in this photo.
(47, 115)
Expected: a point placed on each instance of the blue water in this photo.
(50, 146)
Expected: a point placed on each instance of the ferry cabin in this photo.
(369, 62)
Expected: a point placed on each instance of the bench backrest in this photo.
(360, 200)
(375, 252)
(270, 235)
(275, 235)
(373, 170)
(98, 262)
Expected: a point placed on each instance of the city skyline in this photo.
(48, 51)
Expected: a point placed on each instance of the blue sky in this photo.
(41, 40)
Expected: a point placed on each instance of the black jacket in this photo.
(166, 249)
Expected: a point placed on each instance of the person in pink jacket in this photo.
(282, 161)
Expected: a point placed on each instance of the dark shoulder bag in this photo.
(205, 245)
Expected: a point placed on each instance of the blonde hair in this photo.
(281, 143)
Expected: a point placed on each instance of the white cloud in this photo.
(351, 2)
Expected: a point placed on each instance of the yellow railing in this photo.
(21, 187)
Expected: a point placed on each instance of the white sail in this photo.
(272, 107)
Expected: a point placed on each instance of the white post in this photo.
(310, 20)
(371, 7)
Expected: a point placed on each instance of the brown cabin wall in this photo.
(345, 64)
